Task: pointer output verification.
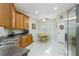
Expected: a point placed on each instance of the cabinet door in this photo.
(26, 40)
(19, 20)
(26, 22)
(13, 16)
(4, 14)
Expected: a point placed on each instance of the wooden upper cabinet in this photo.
(7, 15)
(22, 21)
(26, 22)
(11, 18)
(4, 14)
(19, 20)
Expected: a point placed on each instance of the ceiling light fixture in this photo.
(55, 8)
(36, 12)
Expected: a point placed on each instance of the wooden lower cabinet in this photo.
(25, 41)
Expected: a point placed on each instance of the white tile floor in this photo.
(51, 48)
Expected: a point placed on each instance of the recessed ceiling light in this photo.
(36, 12)
(44, 20)
(55, 8)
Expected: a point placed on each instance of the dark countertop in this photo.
(11, 36)
(11, 39)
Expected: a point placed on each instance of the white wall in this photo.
(34, 32)
(60, 33)
(48, 27)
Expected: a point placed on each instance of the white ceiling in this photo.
(44, 9)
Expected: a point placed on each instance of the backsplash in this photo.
(3, 32)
